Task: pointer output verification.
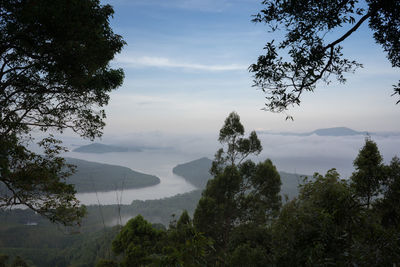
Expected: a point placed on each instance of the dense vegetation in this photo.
(240, 219)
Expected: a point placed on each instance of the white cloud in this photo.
(162, 62)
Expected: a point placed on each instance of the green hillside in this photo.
(196, 172)
(93, 176)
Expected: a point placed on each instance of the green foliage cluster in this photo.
(54, 75)
(242, 198)
(310, 50)
(141, 244)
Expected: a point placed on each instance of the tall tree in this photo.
(241, 194)
(369, 175)
(54, 75)
(237, 147)
(307, 54)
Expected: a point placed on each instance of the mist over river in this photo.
(293, 154)
(155, 162)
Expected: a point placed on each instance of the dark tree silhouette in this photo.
(54, 75)
(306, 55)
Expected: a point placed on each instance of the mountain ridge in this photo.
(98, 148)
(332, 131)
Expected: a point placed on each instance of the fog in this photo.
(309, 154)
(161, 152)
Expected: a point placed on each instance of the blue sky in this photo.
(186, 68)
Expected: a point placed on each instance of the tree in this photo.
(138, 242)
(369, 175)
(307, 54)
(143, 245)
(241, 195)
(54, 75)
(325, 226)
(237, 147)
(388, 205)
(183, 245)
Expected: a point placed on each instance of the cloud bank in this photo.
(162, 62)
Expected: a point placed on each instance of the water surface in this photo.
(155, 162)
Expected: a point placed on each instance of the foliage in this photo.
(241, 194)
(388, 205)
(137, 241)
(39, 182)
(318, 228)
(310, 51)
(54, 75)
(343, 222)
(369, 175)
(237, 147)
(183, 245)
(143, 245)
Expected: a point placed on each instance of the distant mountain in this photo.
(93, 176)
(197, 173)
(335, 131)
(101, 148)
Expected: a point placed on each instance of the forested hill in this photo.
(97, 148)
(197, 173)
(93, 176)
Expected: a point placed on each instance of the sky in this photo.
(186, 68)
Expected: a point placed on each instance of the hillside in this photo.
(334, 131)
(93, 176)
(197, 173)
(102, 148)
(337, 131)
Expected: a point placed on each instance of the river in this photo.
(155, 162)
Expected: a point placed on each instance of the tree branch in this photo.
(348, 33)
